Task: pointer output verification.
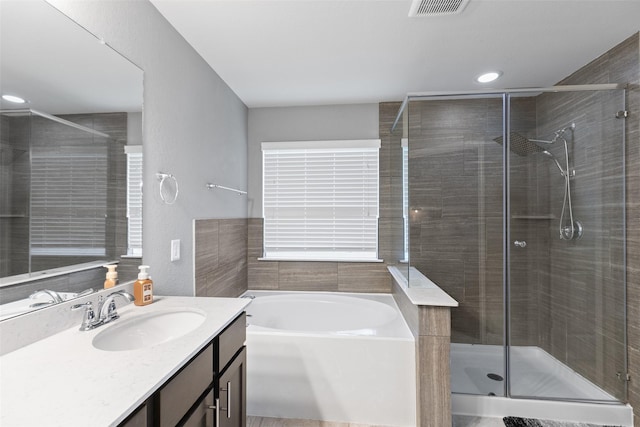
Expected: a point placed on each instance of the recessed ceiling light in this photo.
(488, 77)
(13, 98)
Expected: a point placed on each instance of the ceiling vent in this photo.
(420, 8)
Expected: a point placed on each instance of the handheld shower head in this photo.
(555, 160)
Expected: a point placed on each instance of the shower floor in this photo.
(537, 379)
(534, 373)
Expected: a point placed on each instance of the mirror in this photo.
(64, 167)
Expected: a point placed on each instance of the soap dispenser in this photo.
(143, 287)
(112, 276)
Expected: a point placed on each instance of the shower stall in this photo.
(58, 190)
(514, 204)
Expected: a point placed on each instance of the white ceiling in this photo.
(58, 66)
(315, 52)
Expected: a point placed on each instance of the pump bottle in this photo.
(143, 287)
(112, 276)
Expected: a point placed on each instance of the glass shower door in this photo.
(456, 220)
(566, 250)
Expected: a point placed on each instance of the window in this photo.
(134, 199)
(320, 200)
(69, 199)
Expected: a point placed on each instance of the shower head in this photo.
(520, 144)
(524, 146)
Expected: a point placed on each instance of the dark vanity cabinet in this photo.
(209, 390)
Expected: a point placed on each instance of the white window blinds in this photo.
(134, 199)
(69, 199)
(320, 200)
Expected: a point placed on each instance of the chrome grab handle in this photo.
(228, 390)
(520, 243)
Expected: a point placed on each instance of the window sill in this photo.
(289, 259)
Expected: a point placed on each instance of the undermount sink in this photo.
(147, 330)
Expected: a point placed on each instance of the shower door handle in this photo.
(520, 243)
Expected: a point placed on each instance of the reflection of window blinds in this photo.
(320, 200)
(405, 195)
(69, 199)
(134, 199)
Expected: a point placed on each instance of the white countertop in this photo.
(63, 380)
(421, 290)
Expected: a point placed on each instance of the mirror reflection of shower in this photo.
(569, 228)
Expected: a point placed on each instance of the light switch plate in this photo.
(175, 250)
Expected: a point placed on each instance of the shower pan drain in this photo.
(495, 377)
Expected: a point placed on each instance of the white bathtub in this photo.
(330, 356)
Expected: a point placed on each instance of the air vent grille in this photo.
(421, 8)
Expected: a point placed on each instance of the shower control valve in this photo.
(520, 243)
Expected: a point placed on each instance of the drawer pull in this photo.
(216, 408)
(228, 390)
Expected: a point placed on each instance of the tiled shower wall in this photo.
(343, 276)
(619, 65)
(19, 132)
(23, 132)
(456, 213)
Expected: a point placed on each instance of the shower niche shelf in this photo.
(534, 217)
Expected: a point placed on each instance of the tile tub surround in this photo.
(311, 276)
(220, 257)
(344, 276)
(97, 378)
(431, 326)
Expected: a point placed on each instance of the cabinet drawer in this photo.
(137, 419)
(184, 389)
(230, 341)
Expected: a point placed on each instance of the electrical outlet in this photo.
(175, 250)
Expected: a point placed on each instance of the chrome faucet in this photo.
(55, 296)
(106, 309)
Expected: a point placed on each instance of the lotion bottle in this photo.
(112, 276)
(143, 287)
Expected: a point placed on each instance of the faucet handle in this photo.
(89, 315)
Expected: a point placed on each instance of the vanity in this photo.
(77, 378)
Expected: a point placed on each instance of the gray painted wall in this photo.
(194, 127)
(330, 122)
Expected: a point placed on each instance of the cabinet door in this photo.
(202, 416)
(181, 392)
(232, 393)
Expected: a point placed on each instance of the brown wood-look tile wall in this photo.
(343, 276)
(20, 132)
(566, 297)
(220, 257)
(431, 327)
(456, 214)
